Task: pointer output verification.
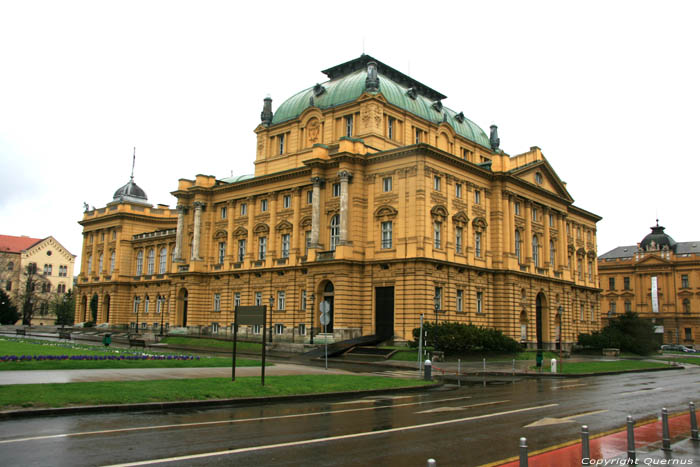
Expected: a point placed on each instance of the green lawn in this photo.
(38, 347)
(599, 367)
(76, 394)
(204, 343)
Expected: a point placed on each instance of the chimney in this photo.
(494, 140)
(266, 114)
(372, 81)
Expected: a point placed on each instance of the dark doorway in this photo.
(182, 307)
(384, 312)
(106, 308)
(538, 315)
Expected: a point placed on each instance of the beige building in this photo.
(659, 279)
(368, 194)
(52, 262)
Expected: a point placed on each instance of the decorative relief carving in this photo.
(371, 115)
(313, 129)
(385, 212)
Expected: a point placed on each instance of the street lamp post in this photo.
(137, 320)
(272, 302)
(311, 341)
(162, 313)
(437, 308)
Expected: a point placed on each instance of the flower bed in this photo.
(29, 358)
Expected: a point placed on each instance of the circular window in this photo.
(49, 253)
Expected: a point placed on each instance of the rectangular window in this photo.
(303, 299)
(386, 234)
(256, 329)
(480, 302)
(458, 190)
(581, 312)
(523, 332)
(241, 250)
(386, 184)
(263, 205)
(436, 183)
(336, 189)
(137, 303)
(390, 127)
(244, 209)
(237, 299)
(302, 329)
(223, 212)
(477, 196)
(307, 242)
(285, 245)
(590, 270)
(579, 266)
(281, 296)
(287, 202)
(437, 231)
(262, 248)
(477, 244)
(280, 144)
(310, 197)
(438, 298)
(222, 252)
(628, 307)
(348, 126)
(258, 298)
(214, 328)
(217, 302)
(684, 281)
(626, 283)
(418, 135)
(688, 334)
(279, 329)
(592, 313)
(611, 283)
(460, 300)
(551, 220)
(517, 208)
(458, 239)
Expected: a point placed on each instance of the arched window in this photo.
(139, 263)
(535, 251)
(517, 247)
(552, 252)
(10, 266)
(335, 231)
(162, 261)
(146, 304)
(89, 264)
(151, 260)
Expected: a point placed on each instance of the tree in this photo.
(31, 295)
(64, 307)
(8, 311)
(627, 332)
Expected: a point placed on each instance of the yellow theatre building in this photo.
(659, 279)
(367, 194)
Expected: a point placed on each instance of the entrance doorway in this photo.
(384, 312)
(106, 308)
(328, 295)
(182, 308)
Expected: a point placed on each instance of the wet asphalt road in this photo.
(473, 425)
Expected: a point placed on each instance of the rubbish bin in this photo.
(107, 339)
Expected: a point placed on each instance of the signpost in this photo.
(249, 315)
(325, 319)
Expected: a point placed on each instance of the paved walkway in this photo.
(140, 374)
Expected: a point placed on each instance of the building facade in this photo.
(53, 265)
(370, 195)
(658, 279)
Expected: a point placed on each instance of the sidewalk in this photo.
(613, 448)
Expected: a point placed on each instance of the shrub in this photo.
(627, 332)
(458, 338)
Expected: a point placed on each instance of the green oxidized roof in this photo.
(237, 178)
(348, 87)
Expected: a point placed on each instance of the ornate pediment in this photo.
(261, 228)
(385, 211)
(541, 174)
(284, 226)
(439, 211)
(220, 234)
(240, 232)
(460, 218)
(480, 223)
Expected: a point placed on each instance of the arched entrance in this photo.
(327, 295)
(523, 326)
(83, 310)
(542, 317)
(182, 307)
(105, 308)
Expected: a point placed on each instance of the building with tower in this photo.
(658, 278)
(368, 194)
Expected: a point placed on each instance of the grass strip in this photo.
(204, 343)
(602, 367)
(129, 392)
(684, 361)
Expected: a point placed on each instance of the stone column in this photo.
(344, 179)
(316, 211)
(545, 247)
(230, 247)
(527, 241)
(180, 232)
(197, 230)
(507, 228)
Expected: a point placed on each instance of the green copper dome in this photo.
(347, 83)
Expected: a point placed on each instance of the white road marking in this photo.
(642, 391)
(462, 407)
(329, 438)
(570, 386)
(224, 422)
(555, 421)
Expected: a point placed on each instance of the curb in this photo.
(146, 406)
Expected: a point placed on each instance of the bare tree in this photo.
(34, 293)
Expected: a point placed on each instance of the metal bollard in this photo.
(553, 365)
(427, 370)
(666, 440)
(631, 453)
(523, 452)
(585, 445)
(432, 463)
(693, 423)
(484, 366)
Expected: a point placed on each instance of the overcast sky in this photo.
(609, 91)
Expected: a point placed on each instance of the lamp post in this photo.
(162, 313)
(272, 303)
(311, 341)
(437, 308)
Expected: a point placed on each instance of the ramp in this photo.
(338, 348)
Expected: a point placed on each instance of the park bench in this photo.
(21, 332)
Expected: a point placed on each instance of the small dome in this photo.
(657, 240)
(130, 192)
